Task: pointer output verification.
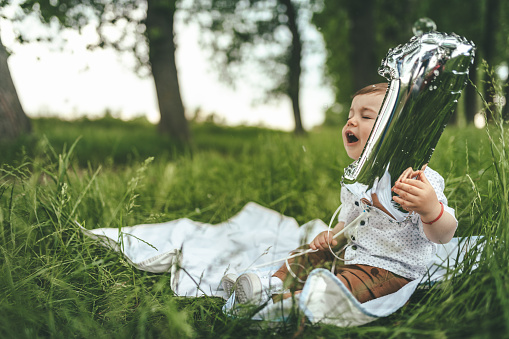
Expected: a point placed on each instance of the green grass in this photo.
(54, 282)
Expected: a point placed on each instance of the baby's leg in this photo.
(368, 282)
(301, 266)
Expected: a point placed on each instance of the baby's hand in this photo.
(416, 194)
(409, 173)
(321, 241)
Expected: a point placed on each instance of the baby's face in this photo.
(361, 119)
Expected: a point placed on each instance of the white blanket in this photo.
(198, 255)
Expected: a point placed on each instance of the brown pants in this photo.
(365, 282)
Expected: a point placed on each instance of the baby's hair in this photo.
(380, 88)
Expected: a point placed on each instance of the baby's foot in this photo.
(228, 283)
(253, 289)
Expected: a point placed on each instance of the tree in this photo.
(362, 59)
(265, 33)
(141, 28)
(349, 43)
(13, 120)
(160, 35)
(357, 36)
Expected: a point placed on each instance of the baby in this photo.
(384, 254)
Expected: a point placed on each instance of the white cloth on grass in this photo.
(256, 235)
(198, 255)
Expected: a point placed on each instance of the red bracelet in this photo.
(439, 216)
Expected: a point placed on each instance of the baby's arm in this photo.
(419, 196)
(321, 241)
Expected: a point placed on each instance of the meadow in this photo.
(54, 282)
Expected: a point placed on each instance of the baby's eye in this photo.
(367, 117)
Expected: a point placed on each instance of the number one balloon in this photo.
(426, 77)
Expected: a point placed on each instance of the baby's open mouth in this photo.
(351, 138)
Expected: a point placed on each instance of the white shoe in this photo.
(254, 289)
(228, 283)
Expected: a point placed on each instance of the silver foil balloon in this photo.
(426, 77)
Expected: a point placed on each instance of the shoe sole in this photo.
(228, 283)
(249, 289)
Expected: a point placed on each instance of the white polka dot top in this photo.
(380, 241)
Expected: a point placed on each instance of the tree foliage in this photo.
(484, 22)
(142, 29)
(357, 36)
(260, 40)
(119, 24)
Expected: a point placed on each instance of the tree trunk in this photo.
(294, 64)
(362, 40)
(13, 120)
(160, 36)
